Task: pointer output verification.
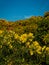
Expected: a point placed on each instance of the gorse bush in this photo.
(21, 49)
(25, 42)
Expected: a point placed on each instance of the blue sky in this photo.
(13, 10)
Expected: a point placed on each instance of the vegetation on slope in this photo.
(25, 42)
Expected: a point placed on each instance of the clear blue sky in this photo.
(20, 9)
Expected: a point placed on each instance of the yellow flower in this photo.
(30, 35)
(29, 46)
(31, 52)
(23, 38)
(11, 31)
(16, 36)
(39, 47)
(39, 50)
(8, 43)
(47, 50)
(35, 43)
(1, 31)
(27, 43)
(44, 47)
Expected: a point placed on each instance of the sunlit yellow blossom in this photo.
(29, 46)
(16, 36)
(35, 43)
(30, 35)
(31, 52)
(39, 47)
(27, 43)
(44, 47)
(8, 43)
(47, 50)
(11, 31)
(23, 38)
(39, 50)
(1, 31)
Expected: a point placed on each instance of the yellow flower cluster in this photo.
(35, 43)
(31, 52)
(1, 31)
(23, 38)
(27, 44)
(43, 48)
(47, 50)
(37, 47)
(16, 36)
(30, 36)
(33, 46)
(39, 50)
